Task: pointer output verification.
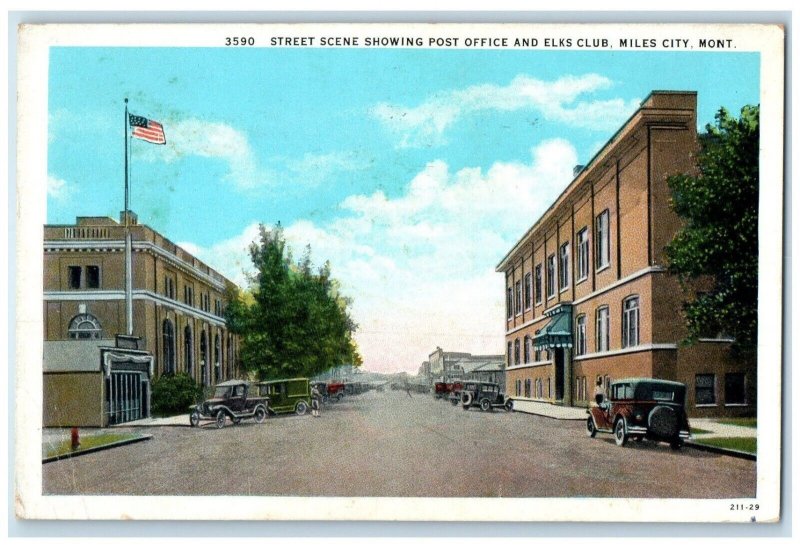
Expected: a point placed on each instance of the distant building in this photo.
(588, 297)
(449, 366)
(178, 308)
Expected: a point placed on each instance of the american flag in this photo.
(147, 130)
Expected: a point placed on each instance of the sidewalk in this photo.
(177, 420)
(717, 430)
(545, 409)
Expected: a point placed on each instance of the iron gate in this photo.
(126, 396)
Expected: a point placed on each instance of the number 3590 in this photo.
(240, 41)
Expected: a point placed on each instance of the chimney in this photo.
(577, 169)
(132, 217)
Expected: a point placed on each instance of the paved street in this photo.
(387, 444)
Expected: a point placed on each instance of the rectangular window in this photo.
(509, 312)
(602, 330)
(74, 273)
(583, 254)
(580, 335)
(601, 240)
(518, 297)
(509, 353)
(538, 286)
(734, 389)
(93, 277)
(704, 393)
(527, 296)
(551, 276)
(630, 322)
(563, 267)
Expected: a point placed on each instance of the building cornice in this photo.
(140, 295)
(673, 118)
(631, 350)
(114, 246)
(592, 295)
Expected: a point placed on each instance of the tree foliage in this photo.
(174, 394)
(294, 322)
(718, 246)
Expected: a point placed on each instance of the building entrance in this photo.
(559, 363)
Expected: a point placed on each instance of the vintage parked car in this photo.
(235, 400)
(335, 390)
(287, 395)
(454, 389)
(642, 408)
(440, 390)
(485, 395)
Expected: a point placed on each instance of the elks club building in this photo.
(92, 375)
(588, 296)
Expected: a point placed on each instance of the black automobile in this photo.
(234, 400)
(486, 395)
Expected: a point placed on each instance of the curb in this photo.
(515, 410)
(721, 450)
(128, 425)
(96, 449)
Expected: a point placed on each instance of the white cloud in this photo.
(313, 169)
(57, 188)
(195, 137)
(426, 123)
(420, 267)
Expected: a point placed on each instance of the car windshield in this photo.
(222, 391)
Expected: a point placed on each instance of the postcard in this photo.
(399, 272)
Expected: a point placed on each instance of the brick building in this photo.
(178, 307)
(587, 294)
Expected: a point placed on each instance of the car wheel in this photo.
(260, 415)
(194, 418)
(620, 437)
(454, 401)
(509, 406)
(220, 419)
(675, 445)
(339, 397)
(591, 430)
(466, 399)
(301, 408)
(486, 405)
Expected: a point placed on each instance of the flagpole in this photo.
(128, 244)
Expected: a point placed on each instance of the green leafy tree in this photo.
(294, 321)
(717, 249)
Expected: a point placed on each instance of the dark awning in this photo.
(558, 331)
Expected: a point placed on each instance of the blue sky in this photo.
(413, 171)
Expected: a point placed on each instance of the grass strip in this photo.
(747, 445)
(749, 422)
(64, 447)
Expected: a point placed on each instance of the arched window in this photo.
(217, 358)
(168, 337)
(229, 364)
(630, 321)
(204, 357)
(84, 326)
(187, 350)
(526, 352)
(580, 335)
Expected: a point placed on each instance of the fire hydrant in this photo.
(76, 440)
